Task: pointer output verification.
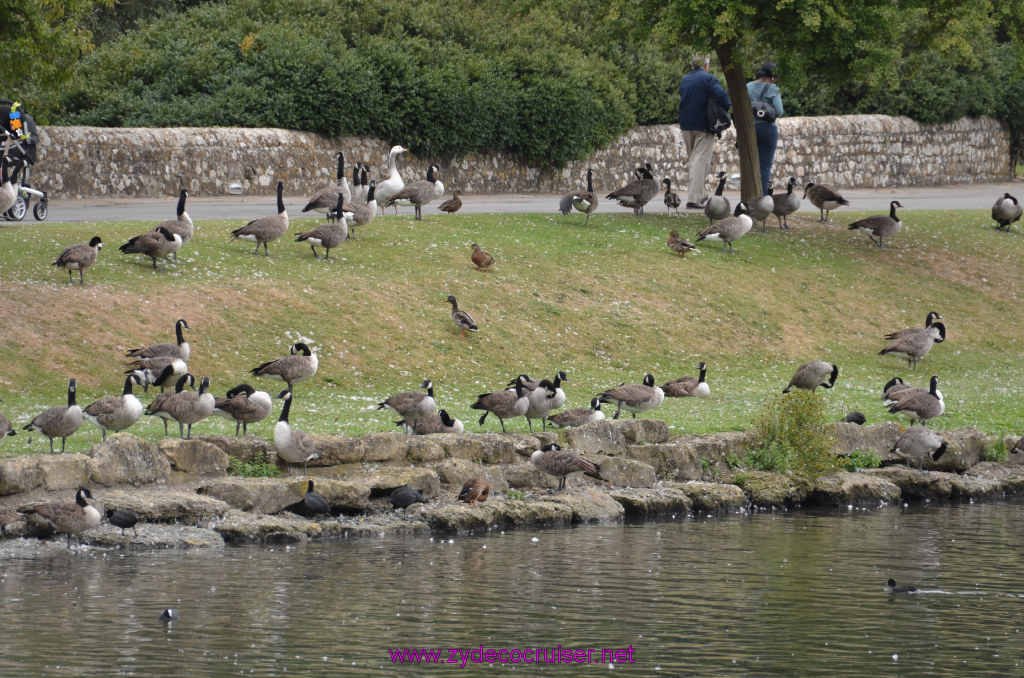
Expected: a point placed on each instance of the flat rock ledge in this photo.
(186, 499)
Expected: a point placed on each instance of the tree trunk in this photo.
(743, 119)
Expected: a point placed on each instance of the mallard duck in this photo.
(680, 245)
(462, 319)
(813, 374)
(452, 204)
(9, 517)
(475, 489)
(481, 258)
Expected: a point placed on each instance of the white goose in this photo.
(394, 183)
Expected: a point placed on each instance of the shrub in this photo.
(258, 466)
(996, 451)
(794, 433)
(860, 459)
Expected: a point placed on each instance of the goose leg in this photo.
(618, 410)
(181, 430)
(104, 435)
(315, 255)
(51, 445)
(266, 252)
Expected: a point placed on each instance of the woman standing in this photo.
(764, 89)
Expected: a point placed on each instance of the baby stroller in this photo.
(20, 128)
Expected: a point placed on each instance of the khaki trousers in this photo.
(699, 147)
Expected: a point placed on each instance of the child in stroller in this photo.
(19, 129)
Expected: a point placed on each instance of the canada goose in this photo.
(892, 387)
(728, 230)
(672, 201)
(79, 257)
(179, 349)
(879, 226)
(555, 461)
(292, 445)
(156, 406)
(124, 518)
(638, 192)
(394, 183)
(786, 204)
(855, 418)
(928, 321)
(265, 229)
(442, 422)
(7, 193)
(452, 204)
(918, 443)
(462, 319)
(474, 490)
(689, 387)
(356, 185)
(188, 408)
(582, 201)
(813, 374)
(540, 402)
(419, 193)
(315, 502)
(825, 198)
(481, 258)
(291, 369)
(412, 405)
(157, 371)
(1006, 211)
(760, 208)
(327, 235)
(169, 616)
(504, 404)
(59, 421)
(181, 225)
(1017, 449)
(155, 244)
(680, 245)
(578, 416)
(361, 213)
(892, 587)
(363, 195)
(5, 427)
(634, 397)
(326, 199)
(243, 405)
(717, 207)
(69, 517)
(115, 413)
(919, 404)
(404, 497)
(9, 517)
(915, 345)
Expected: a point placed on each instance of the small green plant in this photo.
(996, 451)
(733, 462)
(258, 466)
(794, 433)
(516, 494)
(861, 459)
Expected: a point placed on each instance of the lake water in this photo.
(784, 594)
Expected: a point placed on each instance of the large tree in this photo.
(42, 41)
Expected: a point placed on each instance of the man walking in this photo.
(694, 90)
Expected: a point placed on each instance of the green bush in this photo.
(860, 459)
(258, 466)
(794, 434)
(996, 452)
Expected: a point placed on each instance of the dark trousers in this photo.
(767, 139)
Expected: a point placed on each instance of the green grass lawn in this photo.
(607, 303)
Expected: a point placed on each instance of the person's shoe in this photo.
(694, 206)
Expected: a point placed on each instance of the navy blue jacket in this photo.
(693, 99)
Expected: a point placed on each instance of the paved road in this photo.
(974, 196)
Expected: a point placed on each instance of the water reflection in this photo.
(773, 594)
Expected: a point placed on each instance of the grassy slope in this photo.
(607, 303)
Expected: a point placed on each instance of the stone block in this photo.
(453, 474)
(773, 490)
(244, 448)
(673, 460)
(854, 489)
(485, 448)
(48, 472)
(599, 437)
(712, 497)
(645, 503)
(588, 504)
(642, 431)
(624, 472)
(195, 457)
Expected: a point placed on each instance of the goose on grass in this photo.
(419, 193)
(879, 226)
(79, 257)
(292, 369)
(581, 201)
(813, 374)
(728, 230)
(179, 349)
(59, 421)
(825, 198)
(115, 413)
(265, 229)
(634, 398)
(292, 445)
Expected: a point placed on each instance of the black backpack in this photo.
(718, 118)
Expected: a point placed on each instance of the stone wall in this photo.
(847, 151)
